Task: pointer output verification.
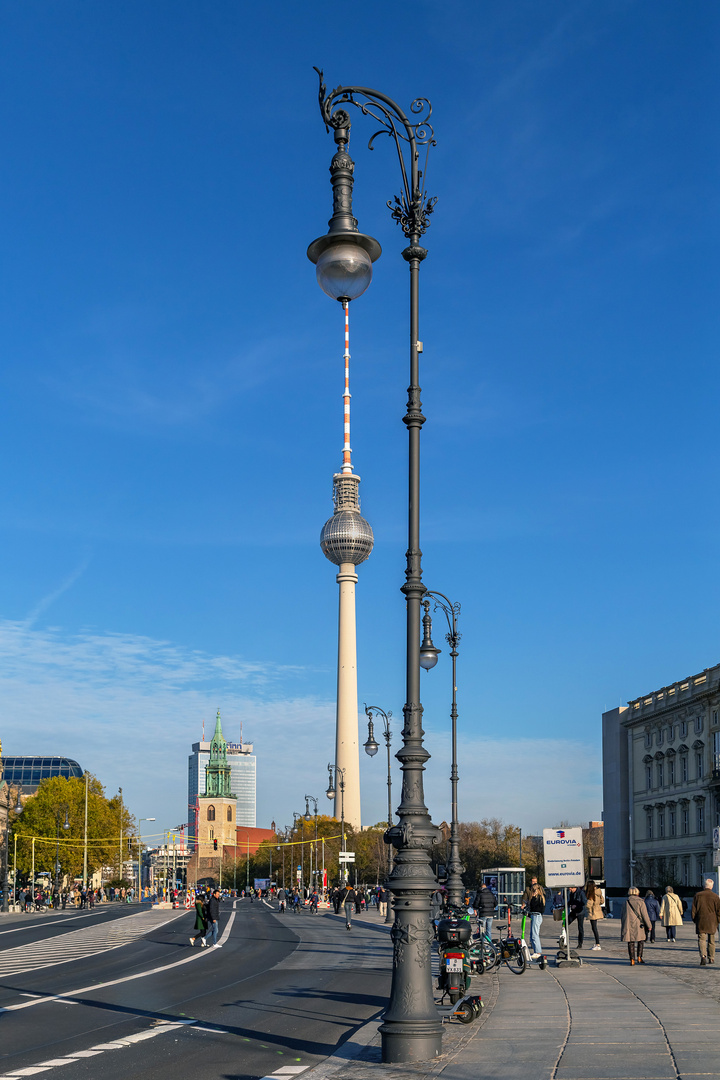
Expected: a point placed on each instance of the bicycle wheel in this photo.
(491, 956)
(516, 961)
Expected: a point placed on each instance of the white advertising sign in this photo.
(564, 860)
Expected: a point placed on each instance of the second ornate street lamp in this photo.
(331, 795)
(371, 749)
(428, 659)
(411, 1028)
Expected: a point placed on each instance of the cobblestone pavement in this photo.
(680, 961)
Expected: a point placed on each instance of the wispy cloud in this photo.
(55, 594)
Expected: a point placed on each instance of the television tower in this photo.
(347, 540)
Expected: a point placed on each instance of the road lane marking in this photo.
(55, 922)
(127, 978)
(100, 1048)
(82, 943)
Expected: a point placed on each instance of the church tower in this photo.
(217, 806)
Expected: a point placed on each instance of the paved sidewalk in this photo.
(606, 1020)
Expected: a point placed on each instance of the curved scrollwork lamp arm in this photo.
(412, 208)
(451, 612)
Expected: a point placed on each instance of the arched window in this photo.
(229, 813)
(211, 813)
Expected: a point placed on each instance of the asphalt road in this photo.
(279, 996)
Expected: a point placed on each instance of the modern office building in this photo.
(242, 764)
(29, 772)
(661, 783)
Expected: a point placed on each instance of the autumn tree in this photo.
(57, 797)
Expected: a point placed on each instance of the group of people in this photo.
(640, 915)
(207, 916)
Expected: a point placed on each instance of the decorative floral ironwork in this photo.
(412, 208)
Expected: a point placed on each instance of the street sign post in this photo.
(564, 867)
(346, 856)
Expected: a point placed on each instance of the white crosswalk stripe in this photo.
(78, 944)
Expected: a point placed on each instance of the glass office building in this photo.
(30, 771)
(242, 764)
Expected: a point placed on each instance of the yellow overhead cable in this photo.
(134, 839)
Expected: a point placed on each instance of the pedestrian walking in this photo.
(595, 910)
(200, 922)
(577, 902)
(213, 916)
(634, 925)
(349, 900)
(671, 912)
(653, 910)
(535, 906)
(706, 916)
(382, 901)
(485, 906)
(281, 895)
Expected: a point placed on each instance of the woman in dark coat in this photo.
(653, 910)
(635, 924)
(201, 923)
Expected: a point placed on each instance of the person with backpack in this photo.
(348, 900)
(653, 910)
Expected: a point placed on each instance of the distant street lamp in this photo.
(371, 749)
(428, 659)
(331, 792)
(311, 799)
(140, 857)
(17, 809)
(66, 826)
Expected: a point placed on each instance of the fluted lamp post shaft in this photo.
(411, 1028)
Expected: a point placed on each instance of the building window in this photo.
(671, 733)
(717, 811)
(671, 822)
(700, 818)
(661, 824)
(686, 871)
(211, 813)
(648, 822)
(683, 728)
(698, 724)
(229, 813)
(671, 770)
(211, 834)
(684, 768)
(660, 737)
(699, 764)
(648, 776)
(659, 770)
(715, 716)
(648, 738)
(701, 869)
(716, 749)
(685, 822)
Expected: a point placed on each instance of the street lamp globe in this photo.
(428, 653)
(344, 270)
(371, 747)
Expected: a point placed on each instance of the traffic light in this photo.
(215, 845)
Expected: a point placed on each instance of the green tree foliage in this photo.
(487, 843)
(46, 810)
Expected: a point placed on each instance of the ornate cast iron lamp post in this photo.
(428, 659)
(66, 826)
(411, 1029)
(17, 809)
(371, 749)
(308, 817)
(340, 773)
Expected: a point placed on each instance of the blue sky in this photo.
(170, 392)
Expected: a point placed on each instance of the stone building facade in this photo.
(661, 783)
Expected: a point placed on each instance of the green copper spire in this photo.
(217, 770)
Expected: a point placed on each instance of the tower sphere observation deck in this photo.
(346, 537)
